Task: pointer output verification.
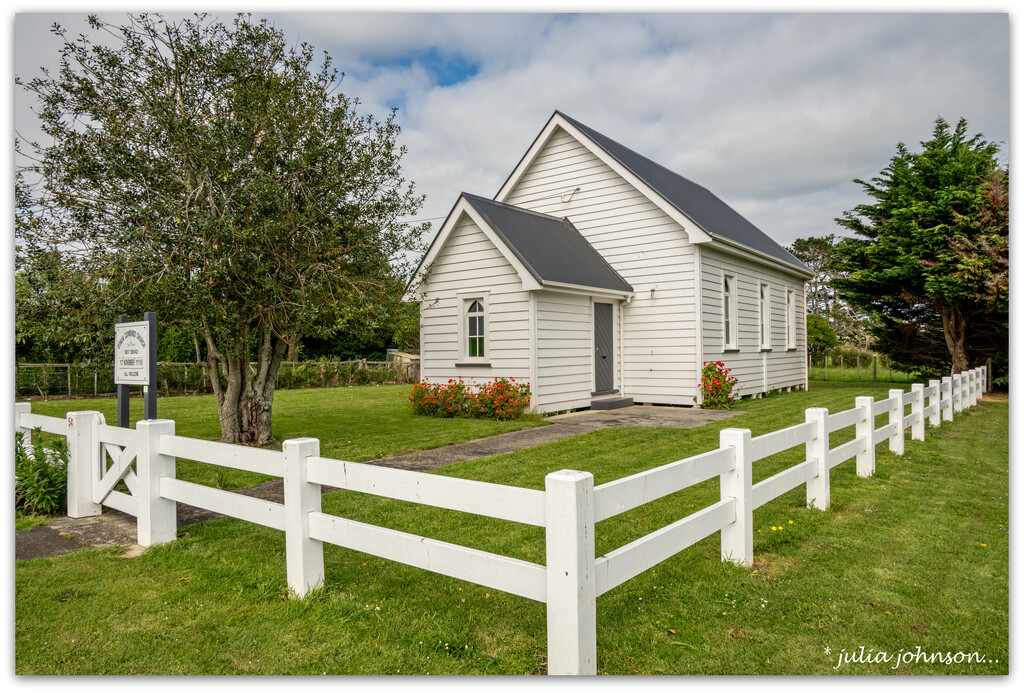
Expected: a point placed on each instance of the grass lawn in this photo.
(916, 556)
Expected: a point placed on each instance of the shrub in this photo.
(717, 385)
(504, 399)
(446, 400)
(40, 474)
(361, 376)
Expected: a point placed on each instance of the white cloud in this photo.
(774, 113)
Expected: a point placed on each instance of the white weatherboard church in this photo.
(604, 279)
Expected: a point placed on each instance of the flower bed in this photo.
(503, 399)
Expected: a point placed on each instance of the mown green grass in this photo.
(897, 562)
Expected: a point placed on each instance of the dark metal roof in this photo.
(552, 249)
(695, 201)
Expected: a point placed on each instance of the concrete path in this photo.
(561, 426)
(112, 528)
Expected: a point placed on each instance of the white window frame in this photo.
(464, 302)
(790, 319)
(765, 315)
(730, 326)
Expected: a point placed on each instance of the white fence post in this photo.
(819, 492)
(970, 388)
(958, 393)
(83, 462)
(896, 421)
(936, 402)
(19, 409)
(158, 516)
(571, 592)
(917, 412)
(946, 403)
(738, 537)
(865, 430)
(304, 556)
(975, 386)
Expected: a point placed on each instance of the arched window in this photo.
(475, 331)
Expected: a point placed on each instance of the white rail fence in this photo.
(568, 508)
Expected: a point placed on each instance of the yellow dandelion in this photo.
(790, 522)
(984, 544)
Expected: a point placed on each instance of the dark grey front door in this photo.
(604, 360)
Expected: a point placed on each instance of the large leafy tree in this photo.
(927, 248)
(213, 173)
(820, 255)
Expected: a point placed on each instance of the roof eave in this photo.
(764, 257)
(588, 290)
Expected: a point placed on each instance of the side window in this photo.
(729, 310)
(790, 320)
(766, 316)
(475, 329)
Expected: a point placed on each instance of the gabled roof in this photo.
(713, 216)
(551, 249)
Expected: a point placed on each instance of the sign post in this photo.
(135, 364)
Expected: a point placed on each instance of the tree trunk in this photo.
(954, 329)
(245, 402)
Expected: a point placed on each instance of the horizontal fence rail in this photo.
(630, 560)
(477, 497)
(246, 459)
(490, 570)
(630, 492)
(103, 458)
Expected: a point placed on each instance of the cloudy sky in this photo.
(775, 113)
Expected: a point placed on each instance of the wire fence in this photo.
(856, 368)
(68, 380)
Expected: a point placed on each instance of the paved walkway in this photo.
(112, 528)
(559, 427)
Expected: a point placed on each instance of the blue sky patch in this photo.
(444, 69)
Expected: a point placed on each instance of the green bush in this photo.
(361, 377)
(40, 474)
(716, 386)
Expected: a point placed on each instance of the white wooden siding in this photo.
(565, 375)
(469, 262)
(757, 370)
(648, 248)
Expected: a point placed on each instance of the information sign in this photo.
(131, 353)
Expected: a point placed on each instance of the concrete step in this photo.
(615, 403)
